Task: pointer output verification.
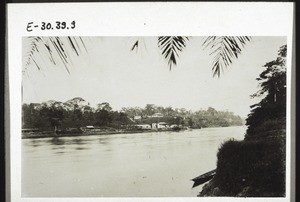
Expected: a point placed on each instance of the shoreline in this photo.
(45, 134)
(49, 135)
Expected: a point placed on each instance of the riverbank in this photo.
(47, 134)
(250, 168)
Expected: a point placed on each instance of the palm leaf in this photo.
(225, 49)
(171, 46)
(55, 48)
(135, 45)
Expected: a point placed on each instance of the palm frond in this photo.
(171, 46)
(55, 48)
(225, 49)
(135, 45)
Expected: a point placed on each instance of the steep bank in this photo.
(249, 169)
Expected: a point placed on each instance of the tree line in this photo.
(197, 119)
(56, 114)
(43, 116)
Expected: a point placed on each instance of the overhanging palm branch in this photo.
(55, 48)
(171, 46)
(225, 49)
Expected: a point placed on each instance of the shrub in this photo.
(253, 168)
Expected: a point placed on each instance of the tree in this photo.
(49, 117)
(212, 111)
(88, 115)
(270, 113)
(273, 79)
(29, 116)
(132, 111)
(104, 106)
(149, 109)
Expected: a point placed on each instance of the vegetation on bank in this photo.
(249, 169)
(198, 119)
(255, 167)
(77, 113)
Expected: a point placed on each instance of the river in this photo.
(154, 164)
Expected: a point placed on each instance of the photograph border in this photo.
(17, 21)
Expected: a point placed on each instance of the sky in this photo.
(110, 72)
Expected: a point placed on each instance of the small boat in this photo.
(203, 178)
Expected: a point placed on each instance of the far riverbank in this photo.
(47, 134)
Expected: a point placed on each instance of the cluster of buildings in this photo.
(155, 124)
(137, 123)
(159, 125)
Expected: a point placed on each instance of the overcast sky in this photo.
(110, 72)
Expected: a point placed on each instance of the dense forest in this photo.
(77, 112)
(256, 166)
(71, 114)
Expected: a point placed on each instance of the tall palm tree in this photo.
(223, 49)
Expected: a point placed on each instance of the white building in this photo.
(143, 126)
(160, 125)
(137, 117)
(157, 115)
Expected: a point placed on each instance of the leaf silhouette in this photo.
(55, 48)
(135, 45)
(225, 49)
(171, 46)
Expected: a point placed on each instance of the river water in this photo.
(154, 164)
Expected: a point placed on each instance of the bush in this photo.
(253, 168)
(271, 127)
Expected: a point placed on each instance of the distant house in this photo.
(137, 117)
(87, 128)
(153, 125)
(143, 126)
(157, 115)
(95, 129)
(160, 125)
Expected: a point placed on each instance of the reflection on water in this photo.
(64, 141)
(145, 164)
(60, 143)
(56, 141)
(61, 147)
(60, 152)
(81, 148)
(79, 141)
